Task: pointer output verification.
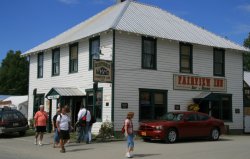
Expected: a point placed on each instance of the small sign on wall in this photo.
(237, 111)
(177, 107)
(124, 105)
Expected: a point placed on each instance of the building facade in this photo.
(160, 63)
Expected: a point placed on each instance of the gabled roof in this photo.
(142, 19)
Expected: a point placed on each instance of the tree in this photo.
(14, 74)
(246, 57)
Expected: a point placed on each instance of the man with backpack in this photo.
(84, 118)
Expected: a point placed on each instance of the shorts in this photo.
(130, 141)
(41, 129)
(64, 134)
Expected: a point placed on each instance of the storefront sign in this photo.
(186, 82)
(53, 97)
(5, 103)
(102, 71)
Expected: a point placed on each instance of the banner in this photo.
(186, 82)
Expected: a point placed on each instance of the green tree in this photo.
(14, 74)
(246, 57)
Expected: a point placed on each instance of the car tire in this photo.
(215, 134)
(171, 136)
(146, 139)
(22, 133)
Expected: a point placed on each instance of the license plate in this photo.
(15, 124)
(143, 134)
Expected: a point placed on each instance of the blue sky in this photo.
(26, 23)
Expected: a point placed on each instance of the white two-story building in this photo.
(160, 63)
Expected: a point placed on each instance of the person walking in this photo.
(129, 133)
(40, 120)
(56, 135)
(63, 127)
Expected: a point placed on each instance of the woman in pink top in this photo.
(40, 121)
(129, 133)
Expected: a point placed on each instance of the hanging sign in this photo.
(102, 71)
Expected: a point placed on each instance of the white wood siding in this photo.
(83, 79)
(129, 76)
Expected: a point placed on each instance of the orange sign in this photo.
(186, 82)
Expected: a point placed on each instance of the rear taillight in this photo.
(3, 123)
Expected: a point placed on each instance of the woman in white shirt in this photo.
(63, 127)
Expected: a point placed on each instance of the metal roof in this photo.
(247, 77)
(142, 19)
(69, 91)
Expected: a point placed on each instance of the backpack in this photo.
(123, 128)
(83, 120)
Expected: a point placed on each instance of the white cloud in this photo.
(69, 1)
(241, 28)
(245, 8)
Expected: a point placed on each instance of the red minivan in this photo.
(185, 124)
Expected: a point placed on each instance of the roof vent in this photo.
(120, 1)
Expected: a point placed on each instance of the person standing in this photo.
(40, 120)
(56, 135)
(92, 121)
(129, 133)
(63, 127)
(87, 130)
(80, 129)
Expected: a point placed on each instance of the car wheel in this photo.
(146, 139)
(171, 136)
(22, 133)
(215, 134)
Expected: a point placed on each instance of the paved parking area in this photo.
(229, 147)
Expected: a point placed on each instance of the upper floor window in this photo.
(40, 65)
(94, 50)
(148, 53)
(73, 58)
(55, 62)
(186, 52)
(219, 62)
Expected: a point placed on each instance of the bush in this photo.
(106, 131)
(31, 123)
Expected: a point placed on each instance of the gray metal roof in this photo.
(142, 19)
(247, 77)
(69, 91)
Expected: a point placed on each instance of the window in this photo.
(186, 58)
(94, 50)
(148, 53)
(38, 100)
(222, 107)
(40, 65)
(55, 62)
(73, 58)
(153, 103)
(191, 117)
(97, 109)
(219, 62)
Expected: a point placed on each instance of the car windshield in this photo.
(172, 116)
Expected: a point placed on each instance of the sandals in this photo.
(62, 150)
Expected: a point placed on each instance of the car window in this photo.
(7, 116)
(20, 115)
(0, 115)
(172, 116)
(15, 116)
(191, 117)
(202, 117)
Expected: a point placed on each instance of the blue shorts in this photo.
(130, 140)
